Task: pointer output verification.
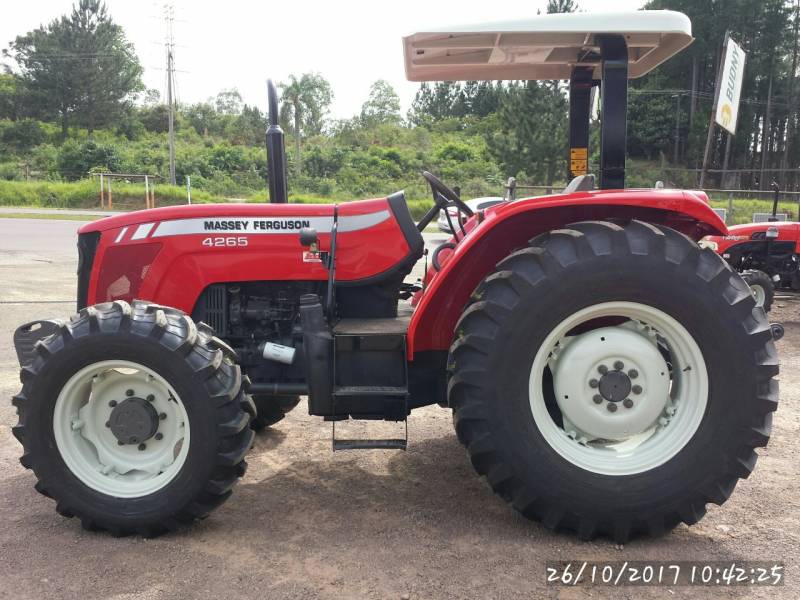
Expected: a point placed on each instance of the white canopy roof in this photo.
(544, 47)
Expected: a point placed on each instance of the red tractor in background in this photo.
(767, 254)
(606, 374)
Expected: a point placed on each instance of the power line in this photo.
(169, 43)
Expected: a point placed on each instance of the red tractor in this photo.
(767, 255)
(606, 374)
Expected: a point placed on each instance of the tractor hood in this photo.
(738, 233)
(170, 213)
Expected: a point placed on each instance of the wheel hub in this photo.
(610, 383)
(133, 421)
(615, 386)
(121, 428)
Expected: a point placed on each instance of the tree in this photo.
(80, 65)
(434, 102)
(382, 105)
(304, 104)
(76, 160)
(248, 127)
(203, 117)
(229, 102)
(531, 136)
(11, 97)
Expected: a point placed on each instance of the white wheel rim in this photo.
(662, 417)
(91, 450)
(759, 294)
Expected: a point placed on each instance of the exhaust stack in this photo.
(276, 152)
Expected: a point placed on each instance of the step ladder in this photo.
(368, 351)
(369, 444)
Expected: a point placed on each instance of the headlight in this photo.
(708, 244)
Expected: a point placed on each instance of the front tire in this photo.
(762, 288)
(688, 358)
(133, 419)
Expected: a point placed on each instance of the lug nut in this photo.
(120, 443)
(597, 398)
(593, 383)
(627, 403)
(633, 373)
(602, 369)
(619, 365)
(112, 403)
(612, 407)
(159, 436)
(142, 447)
(129, 392)
(162, 416)
(637, 389)
(108, 423)
(151, 398)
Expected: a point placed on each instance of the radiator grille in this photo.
(216, 308)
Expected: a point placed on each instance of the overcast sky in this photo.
(240, 43)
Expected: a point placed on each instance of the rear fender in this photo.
(508, 227)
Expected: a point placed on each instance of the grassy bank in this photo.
(125, 196)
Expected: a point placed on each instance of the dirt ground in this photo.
(306, 523)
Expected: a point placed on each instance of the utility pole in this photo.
(677, 128)
(169, 16)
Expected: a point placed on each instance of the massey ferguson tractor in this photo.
(606, 375)
(766, 254)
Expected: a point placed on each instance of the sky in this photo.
(240, 43)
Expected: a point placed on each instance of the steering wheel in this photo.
(442, 197)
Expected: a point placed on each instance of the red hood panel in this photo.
(169, 213)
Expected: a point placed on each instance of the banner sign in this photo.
(729, 86)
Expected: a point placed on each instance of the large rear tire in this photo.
(134, 419)
(612, 380)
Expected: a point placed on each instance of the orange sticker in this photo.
(578, 161)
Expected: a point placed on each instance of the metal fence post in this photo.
(730, 209)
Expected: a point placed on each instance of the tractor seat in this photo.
(581, 183)
(402, 215)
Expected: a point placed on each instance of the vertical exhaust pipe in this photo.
(276, 152)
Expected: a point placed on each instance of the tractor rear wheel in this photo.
(133, 419)
(613, 379)
(762, 287)
(271, 409)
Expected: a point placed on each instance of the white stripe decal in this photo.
(266, 224)
(121, 235)
(142, 231)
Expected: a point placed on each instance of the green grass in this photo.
(743, 209)
(50, 216)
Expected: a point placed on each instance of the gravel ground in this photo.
(306, 523)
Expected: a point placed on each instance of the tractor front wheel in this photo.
(762, 288)
(613, 379)
(133, 419)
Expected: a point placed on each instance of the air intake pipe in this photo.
(276, 152)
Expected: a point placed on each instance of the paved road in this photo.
(305, 523)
